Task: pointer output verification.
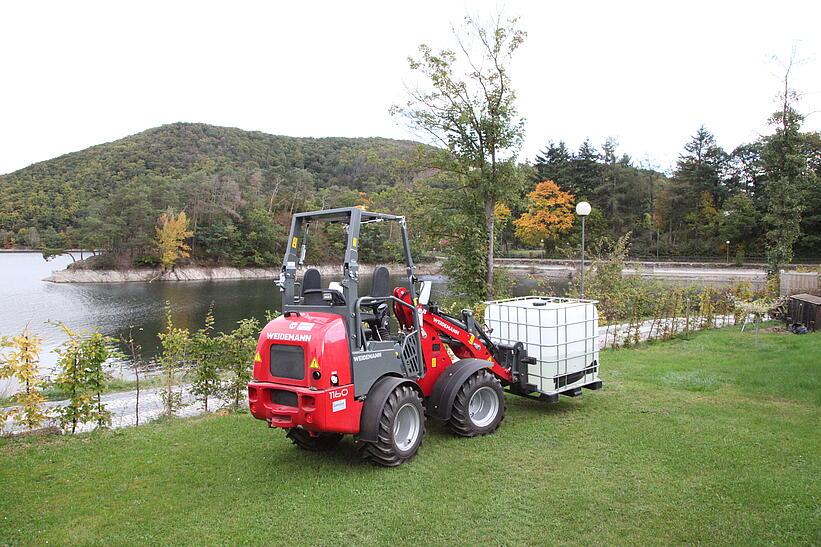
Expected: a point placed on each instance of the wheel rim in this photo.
(483, 406)
(406, 426)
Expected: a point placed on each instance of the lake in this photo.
(114, 308)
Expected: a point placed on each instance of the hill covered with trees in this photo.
(237, 187)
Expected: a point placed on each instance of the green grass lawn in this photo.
(715, 439)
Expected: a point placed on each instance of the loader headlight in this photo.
(317, 375)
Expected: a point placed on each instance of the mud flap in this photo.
(374, 402)
(447, 386)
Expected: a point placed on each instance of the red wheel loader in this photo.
(330, 365)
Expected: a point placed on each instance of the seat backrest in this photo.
(381, 282)
(312, 280)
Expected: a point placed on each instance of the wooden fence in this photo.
(796, 283)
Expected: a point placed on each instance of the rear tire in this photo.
(401, 429)
(320, 443)
(479, 407)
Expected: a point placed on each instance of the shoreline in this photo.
(209, 273)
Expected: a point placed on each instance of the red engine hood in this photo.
(324, 343)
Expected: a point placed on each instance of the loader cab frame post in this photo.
(353, 218)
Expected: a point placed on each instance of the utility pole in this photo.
(582, 209)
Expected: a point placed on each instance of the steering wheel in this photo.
(336, 298)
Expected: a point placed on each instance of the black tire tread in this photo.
(320, 443)
(382, 452)
(459, 421)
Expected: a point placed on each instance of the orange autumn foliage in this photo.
(549, 213)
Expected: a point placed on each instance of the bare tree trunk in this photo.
(490, 222)
(273, 195)
(137, 386)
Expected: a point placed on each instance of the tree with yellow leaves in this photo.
(549, 213)
(21, 361)
(171, 235)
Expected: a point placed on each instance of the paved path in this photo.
(611, 335)
(122, 406)
(709, 273)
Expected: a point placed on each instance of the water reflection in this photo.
(114, 307)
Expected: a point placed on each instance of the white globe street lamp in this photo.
(583, 209)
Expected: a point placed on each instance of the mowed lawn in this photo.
(715, 439)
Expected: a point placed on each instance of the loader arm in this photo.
(463, 341)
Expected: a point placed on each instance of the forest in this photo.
(239, 189)
(713, 196)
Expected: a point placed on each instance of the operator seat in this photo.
(378, 318)
(311, 281)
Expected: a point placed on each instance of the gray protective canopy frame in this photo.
(354, 218)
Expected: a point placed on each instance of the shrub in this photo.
(81, 364)
(146, 261)
(175, 344)
(22, 362)
(205, 361)
(237, 350)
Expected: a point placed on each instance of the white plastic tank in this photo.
(561, 333)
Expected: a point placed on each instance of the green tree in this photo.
(554, 163)
(789, 178)
(587, 170)
(739, 221)
(205, 363)
(237, 350)
(81, 375)
(174, 359)
(701, 167)
(468, 107)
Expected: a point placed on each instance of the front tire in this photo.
(479, 407)
(318, 443)
(401, 429)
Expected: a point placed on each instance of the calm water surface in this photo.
(114, 308)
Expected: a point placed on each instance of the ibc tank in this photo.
(561, 333)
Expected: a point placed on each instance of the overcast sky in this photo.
(75, 74)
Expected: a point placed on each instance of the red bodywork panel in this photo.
(316, 404)
(437, 361)
(320, 406)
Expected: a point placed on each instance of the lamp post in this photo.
(582, 209)
(728, 251)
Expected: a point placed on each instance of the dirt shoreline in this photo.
(208, 273)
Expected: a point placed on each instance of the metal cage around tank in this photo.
(561, 334)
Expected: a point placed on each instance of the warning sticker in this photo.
(338, 405)
(314, 363)
(257, 358)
